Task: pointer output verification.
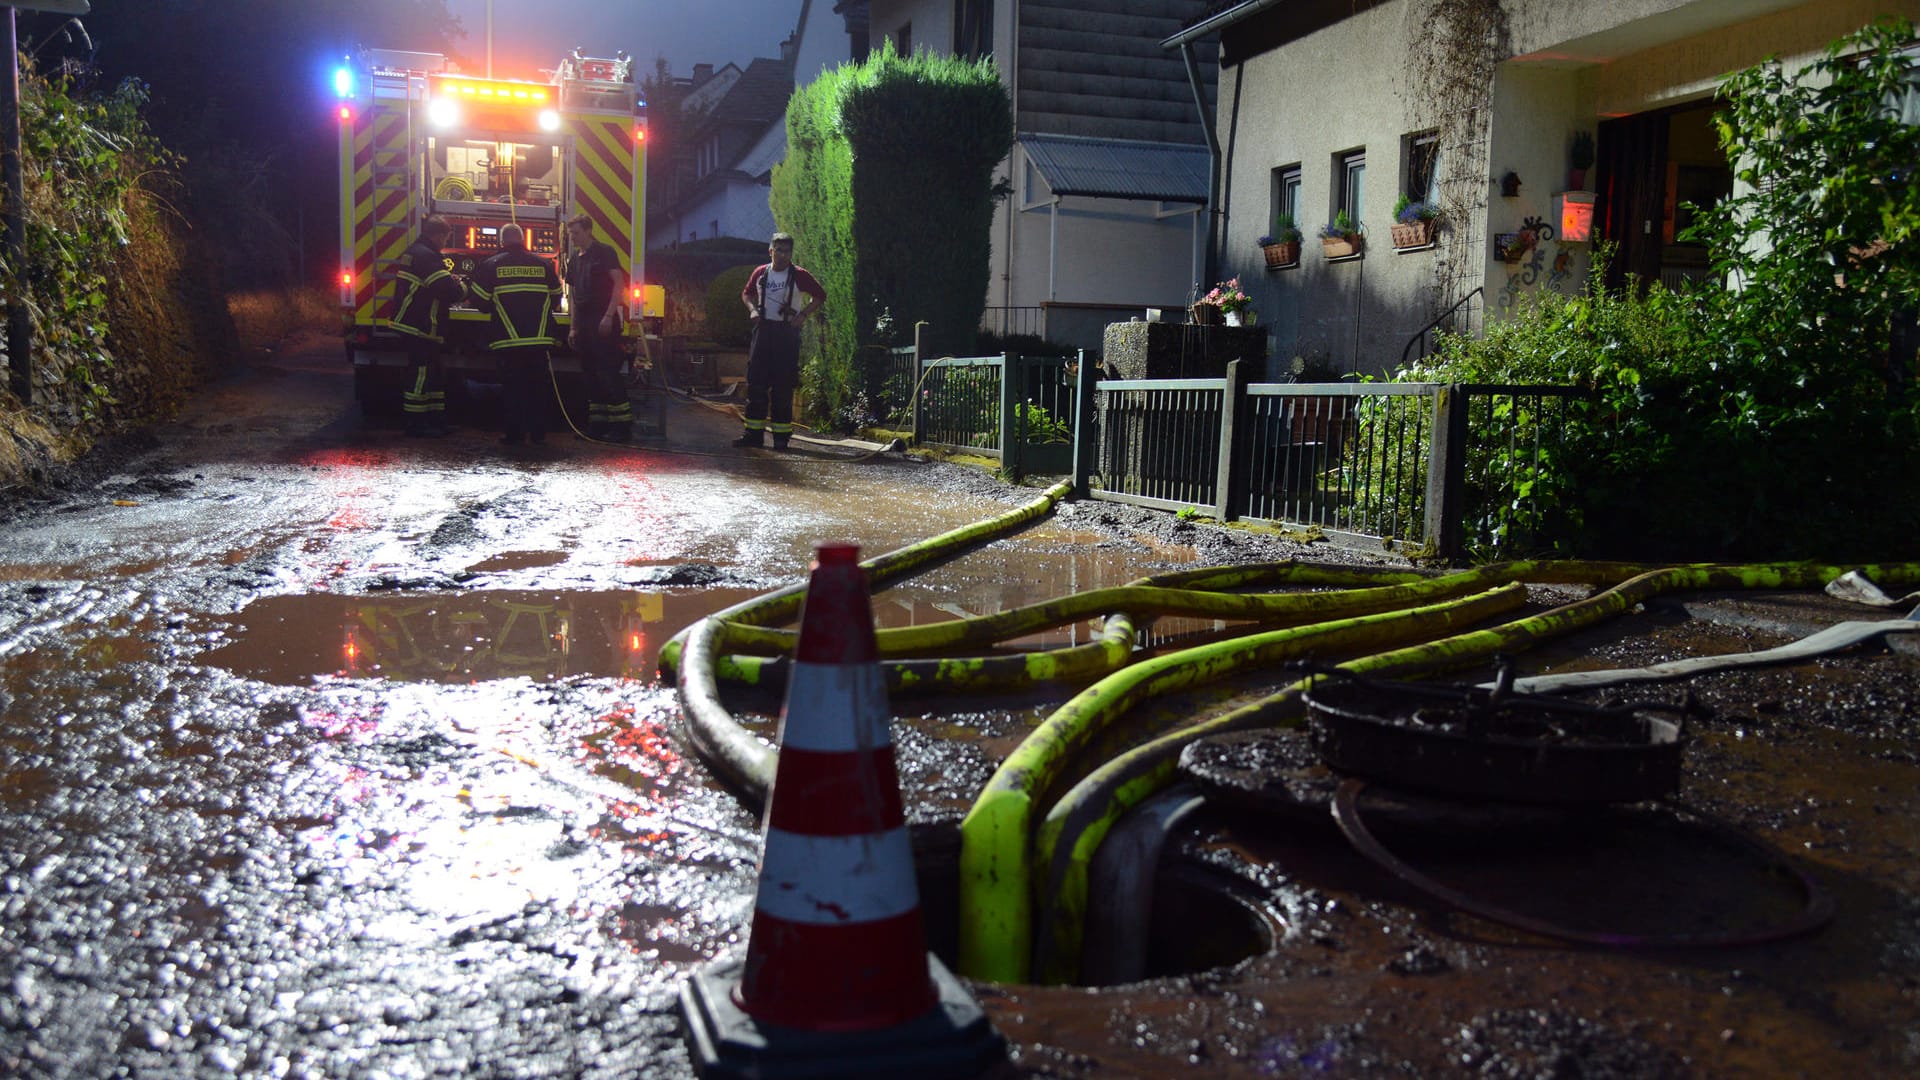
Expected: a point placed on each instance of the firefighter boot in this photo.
(755, 437)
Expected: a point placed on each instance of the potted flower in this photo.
(1579, 160)
(1282, 245)
(1229, 300)
(1413, 222)
(1341, 237)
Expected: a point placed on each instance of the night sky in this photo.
(242, 88)
(685, 32)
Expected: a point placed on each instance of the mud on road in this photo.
(331, 753)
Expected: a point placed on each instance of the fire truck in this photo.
(417, 136)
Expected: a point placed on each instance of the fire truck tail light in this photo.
(636, 294)
(549, 120)
(346, 113)
(346, 278)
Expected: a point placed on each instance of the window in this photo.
(1420, 156)
(1349, 183)
(973, 28)
(903, 39)
(1286, 196)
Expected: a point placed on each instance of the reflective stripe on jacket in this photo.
(427, 287)
(521, 289)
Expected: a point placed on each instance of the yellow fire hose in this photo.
(743, 759)
(1075, 825)
(1270, 610)
(996, 861)
(1003, 855)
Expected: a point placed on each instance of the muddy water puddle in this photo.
(548, 634)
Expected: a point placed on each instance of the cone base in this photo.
(952, 1039)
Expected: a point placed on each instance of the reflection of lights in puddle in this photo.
(477, 636)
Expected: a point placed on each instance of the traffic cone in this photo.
(837, 979)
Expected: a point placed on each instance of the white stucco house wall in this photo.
(1109, 169)
(1321, 105)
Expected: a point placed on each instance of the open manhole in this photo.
(1202, 917)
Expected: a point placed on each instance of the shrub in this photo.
(727, 320)
(889, 192)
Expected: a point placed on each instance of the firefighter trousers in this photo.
(773, 370)
(425, 398)
(523, 392)
(609, 412)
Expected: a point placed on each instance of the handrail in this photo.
(1421, 333)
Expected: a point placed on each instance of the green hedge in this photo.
(888, 188)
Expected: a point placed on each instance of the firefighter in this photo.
(427, 288)
(773, 358)
(595, 283)
(521, 289)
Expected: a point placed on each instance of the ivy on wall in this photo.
(888, 188)
(1457, 44)
(125, 316)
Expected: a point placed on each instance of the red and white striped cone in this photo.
(837, 942)
(836, 975)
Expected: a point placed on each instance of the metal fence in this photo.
(966, 403)
(1448, 467)
(1007, 321)
(959, 404)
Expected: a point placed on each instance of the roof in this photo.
(1119, 168)
(759, 96)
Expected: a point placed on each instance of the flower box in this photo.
(1282, 254)
(1206, 315)
(1413, 234)
(1341, 247)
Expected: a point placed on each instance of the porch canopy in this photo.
(1119, 168)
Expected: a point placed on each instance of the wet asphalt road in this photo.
(330, 753)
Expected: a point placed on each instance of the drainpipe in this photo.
(1212, 258)
(1184, 42)
(1053, 248)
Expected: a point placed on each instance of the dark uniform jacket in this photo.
(426, 288)
(590, 276)
(521, 289)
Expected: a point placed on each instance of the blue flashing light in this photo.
(343, 82)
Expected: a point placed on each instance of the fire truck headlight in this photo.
(443, 112)
(549, 120)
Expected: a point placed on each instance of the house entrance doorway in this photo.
(1652, 166)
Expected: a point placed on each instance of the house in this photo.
(1109, 171)
(712, 194)
(1476, 106)
(736, 133)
